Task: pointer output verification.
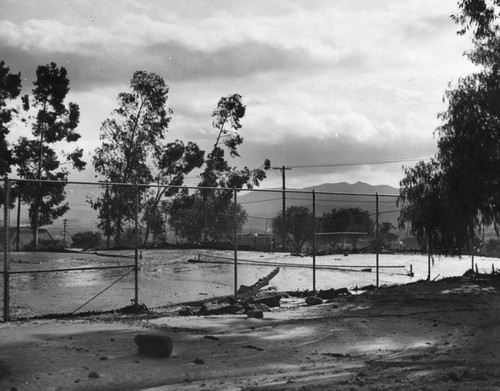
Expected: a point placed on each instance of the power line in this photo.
(358, 163)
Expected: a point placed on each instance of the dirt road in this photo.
(423, 336)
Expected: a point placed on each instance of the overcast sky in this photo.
(325, 82)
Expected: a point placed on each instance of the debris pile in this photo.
(253, 301)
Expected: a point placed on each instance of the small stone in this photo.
(199, 361)
(93, 375)
(154, 344)
(313, 300)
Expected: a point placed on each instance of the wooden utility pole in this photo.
(65, 226)
(314, 240)
(283, 169)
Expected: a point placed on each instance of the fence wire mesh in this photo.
(168, 277)
(106, 244)
(54, 292)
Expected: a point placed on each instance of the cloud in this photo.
(53, 36)
(323, 81)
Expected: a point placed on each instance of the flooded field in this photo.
(43, 283)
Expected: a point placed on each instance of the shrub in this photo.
(86, 239)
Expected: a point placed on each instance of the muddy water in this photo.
(167, 277)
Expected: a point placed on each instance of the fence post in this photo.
(377, 244)
(314, 240)
(428, 260)
(18, 223)
(472, 252)
(283, 207)
(235, 234)
(6, 248)
(136, 254)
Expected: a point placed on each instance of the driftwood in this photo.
(248, 291)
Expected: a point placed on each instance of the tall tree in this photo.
(215, 206)
(10, 88)
(460, 188)
(128, 139)
(133, 151)
(54, 122)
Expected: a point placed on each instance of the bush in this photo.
(86, 239)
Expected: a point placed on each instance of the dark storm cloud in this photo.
(171, 60)
(250, 57)
(85, 72)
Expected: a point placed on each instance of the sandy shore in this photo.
(443, 335)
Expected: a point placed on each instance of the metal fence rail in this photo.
(108, 225)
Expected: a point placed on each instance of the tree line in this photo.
(134, 150)
(336, 229)
(341, 229)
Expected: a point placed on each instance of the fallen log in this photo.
(245, 291)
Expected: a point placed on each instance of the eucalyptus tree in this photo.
(134, 151)
(447, 200)
(10, 88)
(213, 209)
(53, 122)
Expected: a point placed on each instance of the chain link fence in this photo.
(106, 246)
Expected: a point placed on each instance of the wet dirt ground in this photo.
(443, 335)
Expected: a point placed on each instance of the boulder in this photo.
(155, 345)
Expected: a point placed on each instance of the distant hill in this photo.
(262, 206)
